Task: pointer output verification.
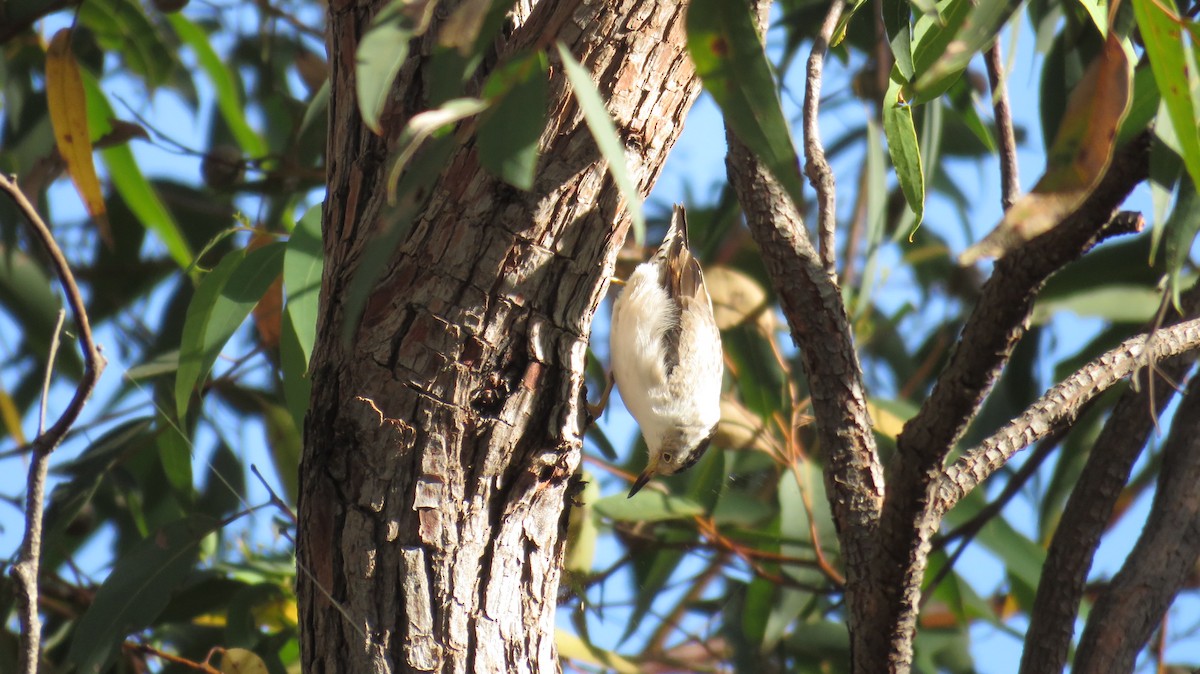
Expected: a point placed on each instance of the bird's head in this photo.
(679, 449)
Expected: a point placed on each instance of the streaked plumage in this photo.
(666, 355)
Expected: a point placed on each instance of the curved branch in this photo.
(1165, 555)
(911, 512)
(25, 570)
(1060, 405)
(1089, 509)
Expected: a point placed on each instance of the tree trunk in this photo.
(443, 434)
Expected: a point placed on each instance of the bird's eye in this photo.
(666, 457)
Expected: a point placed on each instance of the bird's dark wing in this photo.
(683, 280)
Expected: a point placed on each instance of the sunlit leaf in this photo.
(978, 29)
(605, 133)
(572, 647)
(728, 52)
(127, 178)
(68, 113)
(904, 149)
(1082, 149)
(1175, 72)
(421, 127)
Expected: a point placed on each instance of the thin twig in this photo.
(1010, 183)
(93, 362)
(816, 167)
(25, 570)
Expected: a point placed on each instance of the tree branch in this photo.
(1089, 509)
(910, 513)
(1165, 555)
(816, 167)
(1009, 180)
(813, 306)
(25, 570)
(1060, 405)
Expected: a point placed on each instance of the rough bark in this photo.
(442, 437)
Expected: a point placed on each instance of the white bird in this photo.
(666, 355)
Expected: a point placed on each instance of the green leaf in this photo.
(421, 127)
(283, 439)
(127, 178)
(708, 479)
(652, 570)
(1112, 302)
(648, 505)
(122, 27)
(932, 36)
(605, 133)
(1174, 71)
(509, 132)
(1180, 232)
(136, 591)
(728, 52)
(175, 454)
(221, 303)
(897, 15)
(901, 136)
(302, 265)
(978, 29)
(224, 82)
(380, 54)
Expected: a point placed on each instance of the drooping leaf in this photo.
(381, 52)
(224, 82)
(1174, 69)
(68, 114)
(978, 29)
(728, 52)
(1082, 149)
(221, 303)
(136, 591)
(904, 149)
(509, 131)
(648, 505)
(127, 178)
(605, 134)
(932, 36)
(421, 127)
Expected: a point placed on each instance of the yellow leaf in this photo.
(11, 418)
(241, 661)
(572, 647)
(68, 116)
(1078, 157)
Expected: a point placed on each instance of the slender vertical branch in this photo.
(816, 167)
(1009, 181)
(25, 570)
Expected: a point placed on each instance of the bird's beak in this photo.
(642, 480)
